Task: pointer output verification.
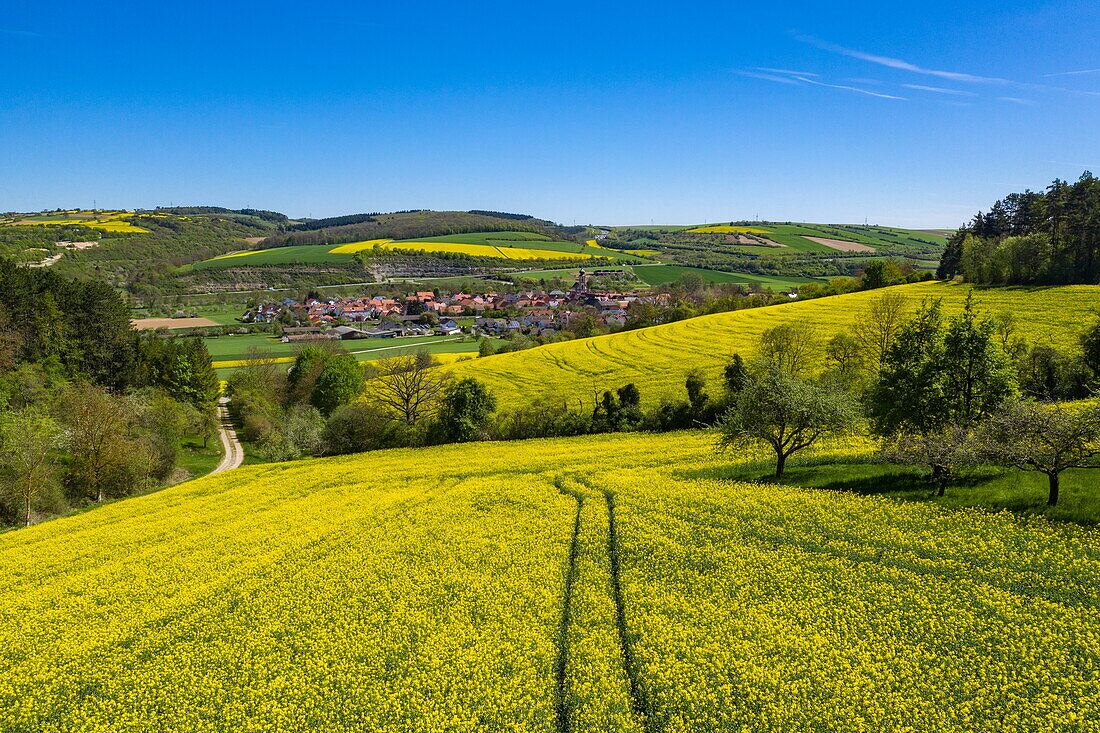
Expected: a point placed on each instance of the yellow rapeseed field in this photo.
(238, 254)
(358, 246)
(609, 583)
(114, 222)
(233, 363)
(484, 250)
(658, 358)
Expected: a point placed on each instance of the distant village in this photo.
(532, 312)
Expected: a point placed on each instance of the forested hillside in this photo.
(90, 409)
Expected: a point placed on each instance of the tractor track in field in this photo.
(561, 663)
(638, 696)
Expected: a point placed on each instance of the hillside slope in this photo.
(606, 584)
(412, 224)
(658, 358)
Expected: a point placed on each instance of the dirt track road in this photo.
(234, 453)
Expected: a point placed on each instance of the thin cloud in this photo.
(766, 77)
(1083, 166)
(14, 32)
(939, 90)
(899, 63)
(1074, 73)
(788, 72)
(851, 89)
(1017, 100)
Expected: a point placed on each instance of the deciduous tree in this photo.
(30, 444)
(787, 413)
(944, 452)
(879, 323)
(790, 346)
(464, 410)
(339, 383)
(1047, 438)
(409, 387)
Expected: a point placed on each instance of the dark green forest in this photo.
(89, 408)
(1034, 237)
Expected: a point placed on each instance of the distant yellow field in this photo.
(238, 254)
(638, 252)
(358, 246)
(457, 356)
(232, 364)
(658, 358)
(719, 229)
(112, 222)
(483, 250)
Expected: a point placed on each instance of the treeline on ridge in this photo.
(1034, 237)
(409, 225)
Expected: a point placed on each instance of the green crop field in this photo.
(227, 351)
(609, 584)
(226, 315)
(303, 253)
(660, 274)
(658, 358)
(793, 237)
(569, 273)
(230, 348)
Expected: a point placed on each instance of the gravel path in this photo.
(234, 453)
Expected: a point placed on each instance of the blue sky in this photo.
(913, 114)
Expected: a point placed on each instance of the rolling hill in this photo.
(658, 358)
(822, 238)
(613, 584)
(413, 225)
(474, 245)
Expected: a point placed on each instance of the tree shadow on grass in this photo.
(986, 488)
(863, 478)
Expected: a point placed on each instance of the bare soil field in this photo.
(745, 239)
(841, 244)
(147, 324)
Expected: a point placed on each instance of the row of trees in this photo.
(82, 443)
(326, 403)
(945, 395)
(1050, 236)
